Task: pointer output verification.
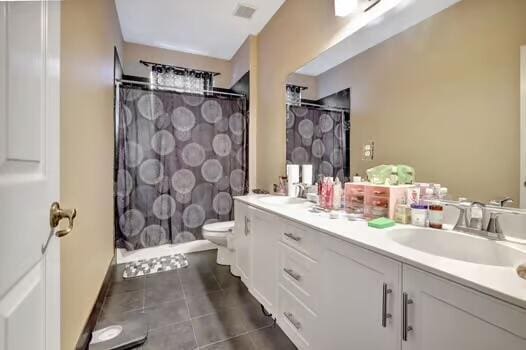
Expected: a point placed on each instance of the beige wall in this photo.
(240, 62)
(89, 32)
(135, 52)
(308, 81)
(442, 96)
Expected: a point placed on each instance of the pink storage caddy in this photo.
(373, 201)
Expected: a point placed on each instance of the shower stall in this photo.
(180, 158)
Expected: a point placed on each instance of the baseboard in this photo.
(85, 336)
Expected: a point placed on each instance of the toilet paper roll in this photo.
(293, 177)
(306, 174)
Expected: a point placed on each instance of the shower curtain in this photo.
(318, 137)
(180, 159)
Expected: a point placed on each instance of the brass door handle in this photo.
(56, 214)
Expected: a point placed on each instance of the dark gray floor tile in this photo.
(159, 294)
(175, 337)
(203, 257)
(254, 317)
(195, 285)
(271, 338)
(206, 303)
(239, 296)
(117, 271)
(122, 302)
(220, 326)
(108, 319)
(226, 280)
(242, 342)
(126, 285)
(168, 313)
(165, 278)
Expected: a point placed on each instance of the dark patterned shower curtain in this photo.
(181, 158)
(318, 137)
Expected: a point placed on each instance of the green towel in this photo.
(381, 223)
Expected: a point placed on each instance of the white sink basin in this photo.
(282, 200)
(458, 246)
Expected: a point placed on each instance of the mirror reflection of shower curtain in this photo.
(318, 137)
(181, 158)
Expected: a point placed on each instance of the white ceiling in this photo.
(204, 27)
(387, 19)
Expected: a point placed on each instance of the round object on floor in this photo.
(106, 334)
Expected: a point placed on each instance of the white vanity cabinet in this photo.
(264, 239)
(327, 293)
(359, 299)
(242, 241)
(445, 315)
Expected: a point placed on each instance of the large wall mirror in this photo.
(434, 84)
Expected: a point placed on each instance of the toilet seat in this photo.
(218, 232)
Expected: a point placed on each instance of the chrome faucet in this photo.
(301, 190)
(488, 224)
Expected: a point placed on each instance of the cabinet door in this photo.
(358, 290)
(242, 241)
(264, 258)
(445, 315)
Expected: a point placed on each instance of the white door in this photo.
(242, 241)
(264, 258)
(359, 299)
(523, 129)
(29, 174)
(444, 315)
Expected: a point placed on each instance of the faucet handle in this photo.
(476, 222)
(494, 224)
(501, 202)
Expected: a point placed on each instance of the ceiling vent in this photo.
(244, 11)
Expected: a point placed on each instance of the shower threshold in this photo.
(123, 256)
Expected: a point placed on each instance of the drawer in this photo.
(295, 319)
(301, 238)
(299, 274)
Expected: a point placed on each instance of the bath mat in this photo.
(154, 265)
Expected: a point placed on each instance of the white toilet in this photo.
(221, 234)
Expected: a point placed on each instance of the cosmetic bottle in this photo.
(329, 194)
(337, 195)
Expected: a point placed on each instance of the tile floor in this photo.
(202, 306)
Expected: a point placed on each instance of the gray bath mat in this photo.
(154, 265)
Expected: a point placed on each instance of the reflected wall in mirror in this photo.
(435, 85)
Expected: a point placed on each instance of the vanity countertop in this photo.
(498, 281)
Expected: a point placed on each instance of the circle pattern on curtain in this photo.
(181, 158)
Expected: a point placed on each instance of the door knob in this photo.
(56, 214)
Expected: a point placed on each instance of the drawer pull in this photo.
(405, 328)
(247, 225)
(292, 236)
(292, 320)
(385, 315)
(292, 273)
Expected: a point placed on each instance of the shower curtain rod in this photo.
(171, 88)
(327, 108)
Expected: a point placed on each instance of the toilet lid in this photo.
(224, 226)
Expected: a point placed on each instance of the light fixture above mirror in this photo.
(343, 8)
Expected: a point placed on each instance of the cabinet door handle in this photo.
(247, 225)
(385, 315)
(292, 320)
(405, 328)
(292, 236)
(292, 273)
